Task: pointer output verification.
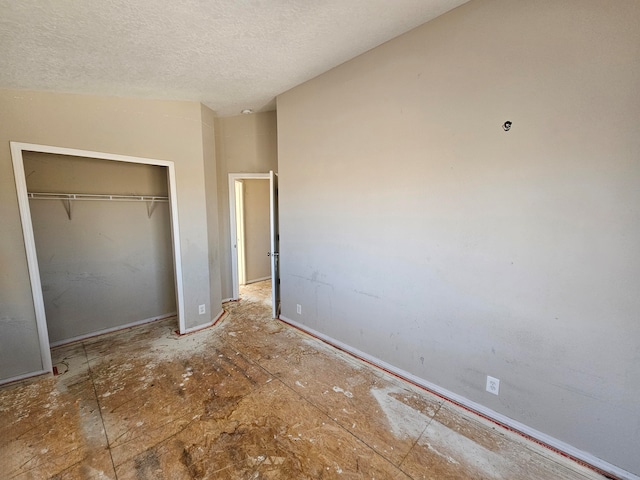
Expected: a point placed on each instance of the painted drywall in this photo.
(54, 173)
(415, 229)
(257, 230)
(164, 130)
(110, 264)
(213, 229)
(244, 144)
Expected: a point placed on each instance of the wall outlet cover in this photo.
(202, 309)
(493, 385)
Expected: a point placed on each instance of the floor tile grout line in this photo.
(95, 393)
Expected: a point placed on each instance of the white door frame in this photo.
(275, 244)
(30, 246)
(233, 221)
(240, 235)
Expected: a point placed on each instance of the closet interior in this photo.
(102, 231)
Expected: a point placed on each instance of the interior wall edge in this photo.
(211, 323)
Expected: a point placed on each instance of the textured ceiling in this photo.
(227, 54)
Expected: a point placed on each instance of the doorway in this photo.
(253, 231)
(68, 199)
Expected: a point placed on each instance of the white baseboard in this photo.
(112, 329)
(543, 438)
(256, 280)
(230, 299)
(205, 325)
(17, 378)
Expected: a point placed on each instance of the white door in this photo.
(275, 240)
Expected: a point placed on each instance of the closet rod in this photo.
(88, 196)
(150, 200)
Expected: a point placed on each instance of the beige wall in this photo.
(213, 224)
(110, 264)
(164, 130)
(48, 172)
(257, 230)
(244, 144)
(415, 229)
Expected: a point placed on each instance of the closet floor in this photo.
(250, 398)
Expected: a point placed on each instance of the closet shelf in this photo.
(90, 196)
(67, 198)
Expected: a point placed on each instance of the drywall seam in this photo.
(112, 329)
(521, 428)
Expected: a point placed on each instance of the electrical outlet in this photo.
(202, 309)
(299, 309)
(493, 385)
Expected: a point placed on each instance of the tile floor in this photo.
(250, 398)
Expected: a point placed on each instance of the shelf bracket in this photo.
(66, 202)
(151, 206)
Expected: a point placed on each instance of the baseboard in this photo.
(542, 438)
(24, 376)
(205, 325)
(111, 329)
(256, 280)
(230, 299)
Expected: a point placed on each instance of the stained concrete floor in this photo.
(250, 398)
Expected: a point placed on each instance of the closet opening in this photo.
(101, 234)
